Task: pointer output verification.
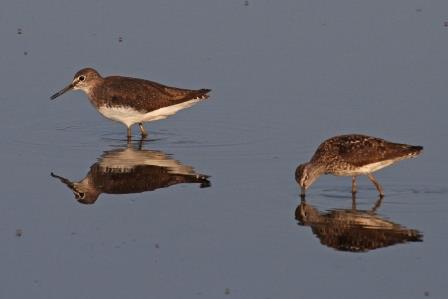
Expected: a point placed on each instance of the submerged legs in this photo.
(377, 185)
(129, 133)
(353, 185)
(142, 130)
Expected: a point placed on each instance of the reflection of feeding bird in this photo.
(353, 155)
(354, 230)
(131, 100)
(129, 170)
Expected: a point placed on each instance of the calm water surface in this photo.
(285, 76)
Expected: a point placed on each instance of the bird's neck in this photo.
(316, 168)
(90, 89)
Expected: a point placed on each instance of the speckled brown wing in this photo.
(360, 150)
(140, 179)
(359, 238)
(142, 95)
(352, 230)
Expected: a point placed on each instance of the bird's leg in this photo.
(353, 185)
(129, 134)
(302, 193)
(354, 201)
(377, 204)
(142, 130)
(377, 185)
(140, 144)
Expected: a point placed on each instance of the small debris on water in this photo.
(227, 291)
(19, 232)
(19, 31)
(120, 39)
(445, 24)
(246, 3)
(426, 293)
(157, 245)
(25, 53)
(419, 10)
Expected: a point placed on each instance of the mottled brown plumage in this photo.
(356, 151)
(142, 95)
(353, 155)
(129, 170)
(132, 100)
(354, 230)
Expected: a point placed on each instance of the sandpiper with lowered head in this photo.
(131, 100)
(353, 155)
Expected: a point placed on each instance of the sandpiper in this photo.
(131, 100)
(354, 230)
(353, 155)
(131, 170)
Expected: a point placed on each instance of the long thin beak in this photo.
(302, 192)
(61, 92)
(67, 182)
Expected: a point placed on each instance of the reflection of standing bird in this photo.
(132, 171)
(353, 155)
(354, 230)
(132, 100)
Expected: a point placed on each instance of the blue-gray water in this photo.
(285, 76)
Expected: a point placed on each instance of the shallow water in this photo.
(284, 78)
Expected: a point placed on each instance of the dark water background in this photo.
(285, 75)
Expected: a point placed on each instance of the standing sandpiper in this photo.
(132, 100)
(353, 155)
(131, 170)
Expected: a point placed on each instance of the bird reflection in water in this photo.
(130, 170)
(354, 230)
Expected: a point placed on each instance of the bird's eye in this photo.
(82, 78)
(79, 195)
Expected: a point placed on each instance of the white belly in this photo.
(369, 168)
(126, 160)
(130, 116)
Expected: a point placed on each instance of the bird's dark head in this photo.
(84, 79)
(306, 214)
(85, 194)
(306, 174)
(83, 191)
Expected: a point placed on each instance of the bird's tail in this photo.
(202, 94)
